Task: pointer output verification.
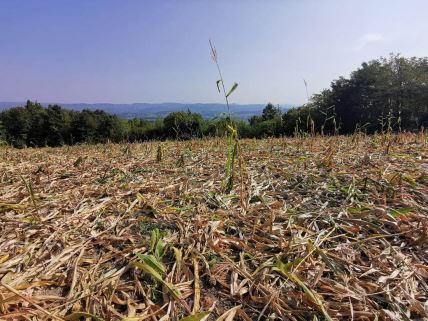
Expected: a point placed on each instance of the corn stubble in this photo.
(333, 228)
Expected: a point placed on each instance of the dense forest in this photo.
(387, 94)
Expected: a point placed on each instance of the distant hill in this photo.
(153, 111)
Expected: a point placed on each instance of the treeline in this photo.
(34, 126)
(388, 94)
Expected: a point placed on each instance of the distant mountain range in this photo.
(153, 111)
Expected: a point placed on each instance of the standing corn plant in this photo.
(232, 136)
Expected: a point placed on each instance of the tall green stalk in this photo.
(232, 136)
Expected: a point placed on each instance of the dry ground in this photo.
(315, 229)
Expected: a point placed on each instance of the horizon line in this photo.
(147, 103)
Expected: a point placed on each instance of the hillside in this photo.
(153, 111)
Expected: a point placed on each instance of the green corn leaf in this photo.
(409, 180)
(154, 237)
(30, 190)
(330, 263)
(159, 250)
(147, 269)
(152, 266)
(282, 269)
(232, 89)
(401, 211)
(231, 153)
(157, 245)
(178, 257)
(152, 262)
(218, 84)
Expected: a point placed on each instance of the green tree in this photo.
(183, 125)
(384, 94)
(2, 133)
(59, 126)
(271, 112)
(16, 123)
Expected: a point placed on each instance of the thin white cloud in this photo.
(368, 39)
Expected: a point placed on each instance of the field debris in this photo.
(316, 228)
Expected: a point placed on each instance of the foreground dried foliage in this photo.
(314, 229)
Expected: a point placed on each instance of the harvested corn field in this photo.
(321, 228)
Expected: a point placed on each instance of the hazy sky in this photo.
(157, 51)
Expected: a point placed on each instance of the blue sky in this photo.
(157, 51)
